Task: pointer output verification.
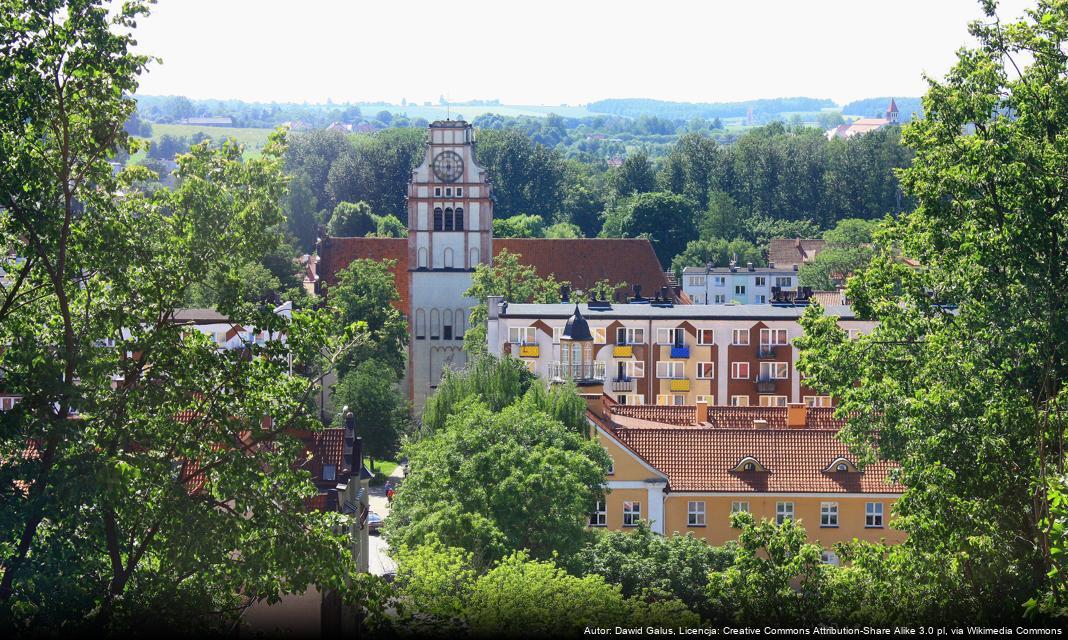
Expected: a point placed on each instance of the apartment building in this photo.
(687, 469)
(738, 285)
(734, 355)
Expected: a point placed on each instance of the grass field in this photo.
(385, 467)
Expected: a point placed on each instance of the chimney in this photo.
(595, 404)
(637, 291)
(796, 415)
(565, 293)
(493, 306)
(760, 424)
(749, 266)
(795, 266)
(702, 412)
(771, 265)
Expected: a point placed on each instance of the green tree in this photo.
(776, 578)
(722, 218)
(692, 169)
(833, 266)
(527, 176)
(127, 513)
(563, 230)
(519, 226)
(969, 398)
(351, 220)
(665, 218)
(388, 226)
(493, 481)
(851, 232)
(366, 293)
(635, 175)
(302, 206)
(717, 252)
(370, 391)
(514, 281)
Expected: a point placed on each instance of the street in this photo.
(378, 560)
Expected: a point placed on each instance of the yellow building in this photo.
(686, 468)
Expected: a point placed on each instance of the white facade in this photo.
(741, 285)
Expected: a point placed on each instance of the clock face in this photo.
(448, 166)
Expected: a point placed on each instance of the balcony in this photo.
(766, 352)
(680, 384)
(625, 385)
(765, 384)
(529, 351)
(569, 371)
(623, 351)
(680, 351)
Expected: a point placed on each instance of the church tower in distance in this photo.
(450, 232)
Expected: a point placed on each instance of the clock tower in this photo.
(450, 223)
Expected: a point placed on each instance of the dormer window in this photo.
(841, 465)
(749, 464)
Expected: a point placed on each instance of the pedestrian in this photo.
(389, 492)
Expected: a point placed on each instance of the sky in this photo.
(552, 52)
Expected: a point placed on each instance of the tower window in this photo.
(459, 218)
(437, 191)
(448, 191)
(446, 326)
(448, 219)
(459, 192)
(437, 219)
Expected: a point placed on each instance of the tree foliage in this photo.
(366, 292)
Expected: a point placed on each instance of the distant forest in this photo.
(876, 107)
(635, 107)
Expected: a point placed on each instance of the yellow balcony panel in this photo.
(623, 351)
(680, 385)
(528, 351)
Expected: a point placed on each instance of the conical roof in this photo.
(577, 329)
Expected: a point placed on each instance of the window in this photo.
(599, 335)
(740, 337)
(760, 281)
(599, 517)
(672, 370)
(784, 511)
(853, 333)
(739, 401)
(719, 281)
(631, 399)
(329, 472)
(697, 281)
(446, 325)
(632, 513)
(774, 370)
(438, 219)
(760, 299)
(459, 324)
(611, 467)
(706, 370)
(695, 514)
(459, 218)
(706, 399)
(829, 557)
(670, 336)
(633, 368)
(448, 219)
(720, 299)
(630, 336)
(531, 365)
(557, 332)
(459, 192)
(873, 515)
(420, 324)
(773, 401)
(448, 191)
(740, 370)
(435, 324)
(437, 191)
(818, 401)
(740, 506)
(773, 337)
(706, 336)
(670, 400)
(784, 282)
(828, 514)
(521, 335)
(739, 289)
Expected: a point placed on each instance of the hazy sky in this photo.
(552, 51)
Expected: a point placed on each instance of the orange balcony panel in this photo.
(623, 351)
(528, 351)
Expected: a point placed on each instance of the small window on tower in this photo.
(448, 219)
(459, 192)
(437, 191)
(459, 218)
(438, 219)
(448, 191)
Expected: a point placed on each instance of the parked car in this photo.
(374, 522)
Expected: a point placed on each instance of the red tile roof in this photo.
(581, 261)
(702, 457)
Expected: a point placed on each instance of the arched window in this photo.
(448, 257)
(448, 218)
(474, 257)
(459, 324)
(420, 324)
(459, 218)
(446, 325)
(435, 325)
(437, 219)
(422, 257)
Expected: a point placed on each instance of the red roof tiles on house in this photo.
(581, 261)
(784, 252)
